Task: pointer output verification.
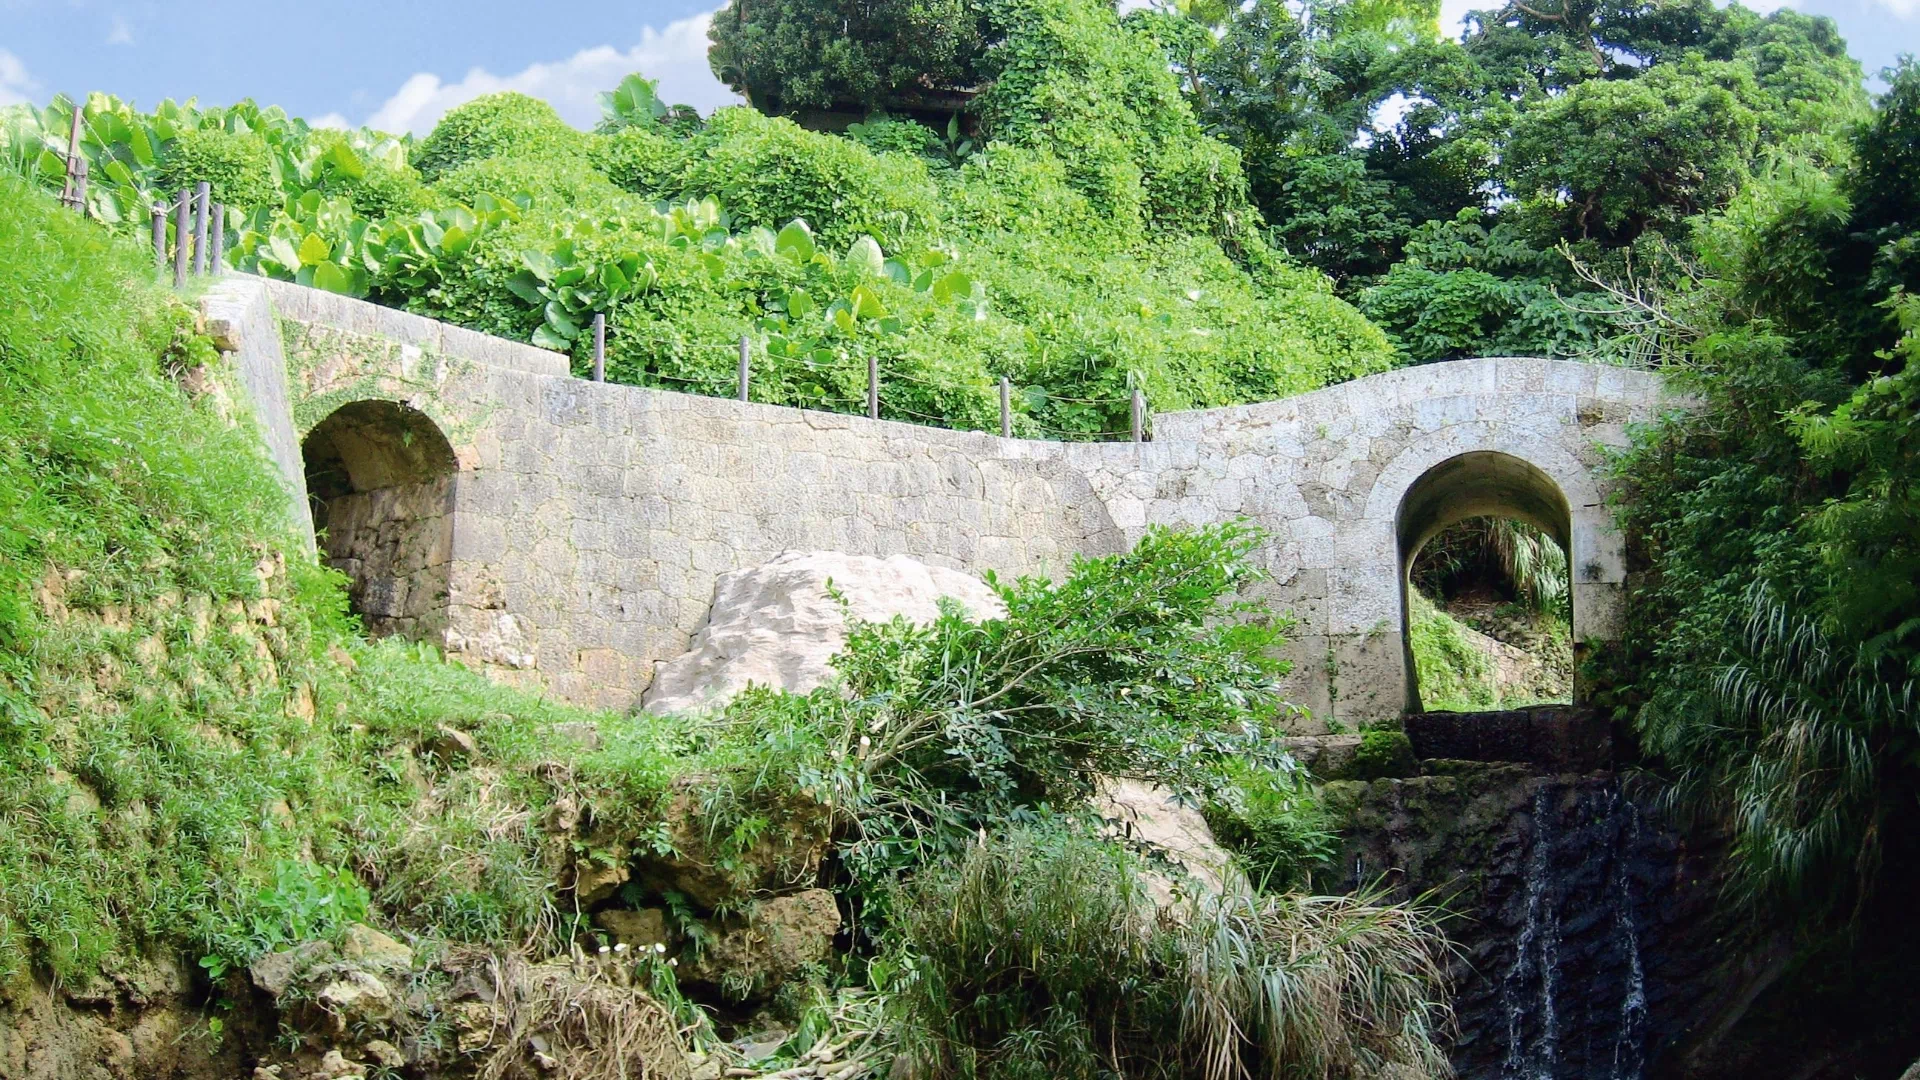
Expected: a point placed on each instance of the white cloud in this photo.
(1454, 12)
(675, 55)
(330, 120)
(121, 33)
(1904, 9)
(16, 85)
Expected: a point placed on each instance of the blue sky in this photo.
(399, 64)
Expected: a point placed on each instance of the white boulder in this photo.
(776, 625)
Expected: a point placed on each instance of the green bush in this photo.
(768, 171)
(1037, 954)
(189, 756)
(498, 125)
(545, 182)
(1453, 675)
(238, 166)
(1272, 819)
(642, 160)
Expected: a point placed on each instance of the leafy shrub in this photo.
(1272, 819)
(383, 191)
(769, 171)
(788, 55)
(641, 160)
(1036, 953)
(238, 166)
(549, 183)
(885, 135)
(507, 124)
(1068, 77)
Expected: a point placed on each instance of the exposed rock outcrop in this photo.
(778, 624)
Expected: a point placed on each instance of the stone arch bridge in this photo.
(568, 534)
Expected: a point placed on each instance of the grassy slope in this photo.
(192, 738)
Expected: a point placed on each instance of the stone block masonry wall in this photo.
(590, 521)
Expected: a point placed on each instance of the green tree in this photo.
(788, 55)
(1774, 644)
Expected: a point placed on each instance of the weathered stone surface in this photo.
(1148, 815)
(277, 971)
(778, 624)
(355, 997)
(591, 522)
(1562, 738)
(1584, 922)
(452, 744)
(641, 929)
(777, 939)
(1325, 757)
(367, 948)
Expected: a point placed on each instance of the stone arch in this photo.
(380, 479)
(1475, 483)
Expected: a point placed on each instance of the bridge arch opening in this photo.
(1485, 590)
(380, 485)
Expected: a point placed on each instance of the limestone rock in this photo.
(641, 929)
(1326, 757)
(277, 971)
(1147, 814)
(777, 939)
(592, 884)
(372, 950)
(775, 624)
(335, 1066)
(786, 856)
(355, 998)
(452, 744)
(385, 1054)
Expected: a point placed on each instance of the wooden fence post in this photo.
(1006, 408)
(1139, 416)
(746, 359)
(202, 193)
(873, 388)
(180, 238)
(73, 191)
(159, 236)
(218, 245)
(599, 348)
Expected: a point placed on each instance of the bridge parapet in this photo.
(586, 523)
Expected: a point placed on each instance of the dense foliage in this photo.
(1775, 633)
(791, 55)
(1038, 954)
(1092, 241)
(1435, 179)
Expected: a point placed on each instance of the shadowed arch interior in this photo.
(380, 484)
(1482, 483)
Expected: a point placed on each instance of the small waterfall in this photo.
(1629, 1052)
(1535, 956)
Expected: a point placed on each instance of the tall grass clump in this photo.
(1038, 953)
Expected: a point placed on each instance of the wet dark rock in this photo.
(1588, 941)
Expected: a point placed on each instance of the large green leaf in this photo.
(141, 146)
(795, 242)
(865, 257)
(314, 250)
(330, 277)
(954, 286)
(865, 304)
